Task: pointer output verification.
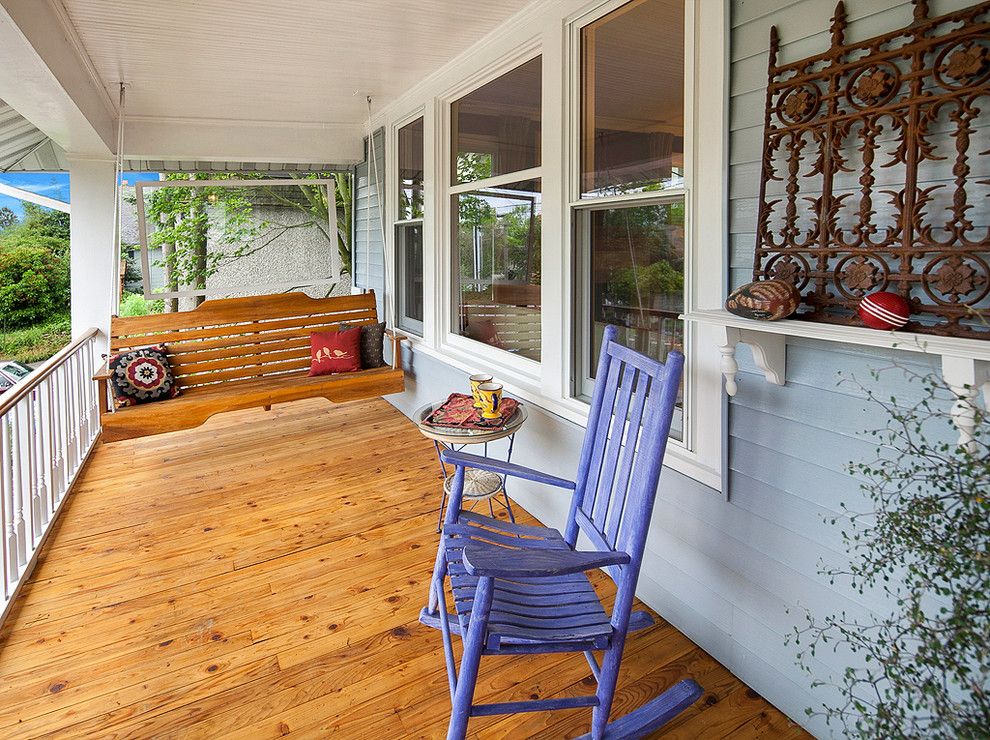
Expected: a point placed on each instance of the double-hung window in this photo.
(495, 192)
(409, 228)
(628, 195)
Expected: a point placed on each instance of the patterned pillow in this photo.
(372, 343)
(141, 376)
(334, 352)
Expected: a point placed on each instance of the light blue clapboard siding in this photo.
(737, 575)
(368, 259)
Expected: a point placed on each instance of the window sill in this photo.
(527, 388)
(965, 362)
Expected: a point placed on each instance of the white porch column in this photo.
(93, 258)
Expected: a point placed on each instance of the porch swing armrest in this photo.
(483, 559)
(103, 373)
(397, 339)
(464, 459)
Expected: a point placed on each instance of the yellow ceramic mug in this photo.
(490, 395)
(477, 380)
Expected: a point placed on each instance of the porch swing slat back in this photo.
(237, 353)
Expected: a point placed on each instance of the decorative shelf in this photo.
(965, 362)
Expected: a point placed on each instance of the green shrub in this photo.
(39, 228)
(36, 343)
(134, 304)
(34, 286)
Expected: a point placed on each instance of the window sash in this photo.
(404, 320)
(584, 354)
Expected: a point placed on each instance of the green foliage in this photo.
(34, 285)
(36, 343)
(45, 222)
(925, 543)
(7, 218)
(471, 166)
(39, 228)
(628, 284)
(134, 304)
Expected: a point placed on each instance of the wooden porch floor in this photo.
(261, 576)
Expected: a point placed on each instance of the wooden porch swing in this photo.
(240, 353)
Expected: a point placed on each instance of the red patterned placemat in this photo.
(458, 412)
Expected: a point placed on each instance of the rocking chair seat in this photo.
(563, 609)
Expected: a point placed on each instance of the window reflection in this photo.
(632, 79)
(496, 128)
(498, 263)
(636, 279)
(411, 170)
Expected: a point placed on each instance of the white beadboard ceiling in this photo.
(265, 60)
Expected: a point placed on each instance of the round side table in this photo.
(479, 485)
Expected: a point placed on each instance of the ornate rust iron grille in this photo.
(875, 174)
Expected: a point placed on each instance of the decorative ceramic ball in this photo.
(884, 310)
(766, 300)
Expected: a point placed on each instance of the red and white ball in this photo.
(884, 310)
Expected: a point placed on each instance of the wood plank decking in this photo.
(261, 576)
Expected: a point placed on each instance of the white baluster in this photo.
(17, 448)
(43, 455)
(63, 431)
(94, 407)
(7, 502)
(34, 441)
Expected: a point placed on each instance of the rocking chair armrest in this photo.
(483, 559)
(463, 459)
(103, 373)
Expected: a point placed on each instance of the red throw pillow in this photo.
(335, 351)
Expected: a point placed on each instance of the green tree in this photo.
(7, 218)
(182, 219)
(34, 285)
(40, 227)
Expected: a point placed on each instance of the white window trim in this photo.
(393, 220)
(548, 384)
(515, 370)
(700, 454)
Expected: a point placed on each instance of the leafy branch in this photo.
(924, 542)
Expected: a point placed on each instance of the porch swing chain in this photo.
(118, 171)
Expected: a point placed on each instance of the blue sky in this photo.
(52, 184)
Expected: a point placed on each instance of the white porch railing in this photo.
(49, 423)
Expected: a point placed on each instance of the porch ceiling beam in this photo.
(47, 77)
(198, 139)
(30, 197)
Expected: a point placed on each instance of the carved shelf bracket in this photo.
(769, 354)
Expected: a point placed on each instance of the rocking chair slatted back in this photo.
(616, 487)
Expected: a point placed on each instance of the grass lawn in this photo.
(35, 343)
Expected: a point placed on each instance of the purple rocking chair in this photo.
(523, 589)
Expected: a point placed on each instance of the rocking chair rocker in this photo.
(523, 589)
